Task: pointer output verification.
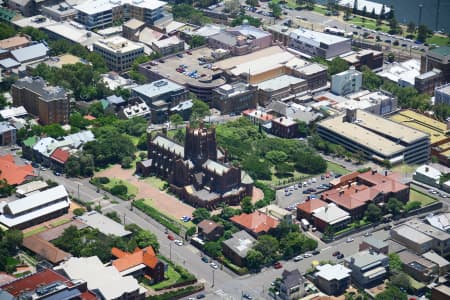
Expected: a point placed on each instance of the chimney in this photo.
(427, 169)
(356, 191)
(341, 193)
(349, 185)
(374, 172)
(385, 172)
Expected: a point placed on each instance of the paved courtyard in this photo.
(162, 201)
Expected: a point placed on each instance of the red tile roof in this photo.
(348, 197)
(256, 222)
(89, 117)
(127, 260)
(30, 283)
(60, 155)
(45, 249)
(309, 206)
(12, 173)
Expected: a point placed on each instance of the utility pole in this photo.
(213, 270)
(78, 184)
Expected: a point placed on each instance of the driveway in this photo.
(162, 201)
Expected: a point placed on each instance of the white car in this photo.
(349, 240)
(178, 243)
(298, 258)
(306, 255)
(213, 265)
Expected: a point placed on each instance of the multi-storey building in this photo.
(346, 82)
(49, 103)
(119, 53)
(368, 267)
(437, 58)
(102, 13)
(442, 94)
(235, 97)
(376, 138)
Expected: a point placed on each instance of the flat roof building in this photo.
(368, 267)
(103, 224)
(346, 82)
(402, 73)
(377, 138)
(30, 53)
(437, 58)
(442, 94)
(14, 42)
(332, 279)
(49, 103)
(234, 97)
(237, 247)
(72, 32)
(33, 186)
(320, 44)
(102, 13)
(118, 52)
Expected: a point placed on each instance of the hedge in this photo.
(178, 293)
(269, 194)
(157, 216)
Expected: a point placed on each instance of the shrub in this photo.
(78, 211)
(119, 189)
(157, 216)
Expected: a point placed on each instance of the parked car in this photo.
(201, 296)
(247, 296)
(349, 240)
(315, 252)
(336, 253)
(205, 259)
(178, 243)
(277, 265)
(340, 256)
(306, 255)
(170, 237)
(298, 258)
(213, 265)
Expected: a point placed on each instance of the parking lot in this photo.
(181, 68)
(297, 193)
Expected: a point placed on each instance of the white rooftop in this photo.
(104, 224)
(173, 40)
(118, 44)
(31, 187)
(370, 6)
(74, 32)
(13, 112)
(331, 214)
(106, 280)
(157, 88)
(429, 172)
(279, 82)
(333, 272)
(97, 6)
(316, 38)
(405, 71)
(441, 221)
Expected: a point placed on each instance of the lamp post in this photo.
(213, 270)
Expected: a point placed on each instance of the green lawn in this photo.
(155, 182)
(171, 277)
(320, 9)
(35, 231)
(336, 169)
(368, 23)
(424, 199)
(438, 40)
(132, 190)
(59, 222)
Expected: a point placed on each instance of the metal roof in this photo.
(104, 224)
(30, 53)
(9, 63)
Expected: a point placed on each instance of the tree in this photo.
(395, 206)
(251, 21)
(411, 27)
(284, 169)
(200, 214)
(391, 293)
(373, 213)
(395, 263)
(364, 11)
(329, 232)
(371, 81)
(6, 31)
(283, 229)
(176, 119)
(254, 259)
(228, 212)
(256, 168)
(191, 231)
(197, 41)
(145, 238)
(119, 189)
(393, 25)
(337, 65)
(252, 3)
(268, 246)
(34, 33)
(231, 6)
(213, 249)
(179, 135)
(276, 9)
(54, 130)
(246, 205)
(96, 109)
(3, 102)
(401, 281)
(187, 13)
(276, 156)
(114, 216)
(347, 13)
(422, 33)
(126, 162)
(78, 211)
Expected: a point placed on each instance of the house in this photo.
(305, 209)
(330, 215)
(168, 46)
(255, 223)
(103, 224)
(36, 208)
(237, 247)
(59, 158)
(332, 279)
(210, 230)
(47, 284)
(443, 264)
(7, 134)
(440, 292)
(30, 187)
(140, 263)
(12, 173)
(45, 249)
(277, 212)
(105, 280)
(292, 285)
(374, 244)
(368, 267)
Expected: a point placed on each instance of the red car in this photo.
(189, 52)
(170, 237)
(277, 265)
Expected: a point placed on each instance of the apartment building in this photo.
(118, 52)
(346, 82)
(49, 103)
(368, 267)
(102, 13)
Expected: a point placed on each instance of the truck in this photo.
(305, 224)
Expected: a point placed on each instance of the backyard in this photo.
(424, 199)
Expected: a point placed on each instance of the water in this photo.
(408, 10)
